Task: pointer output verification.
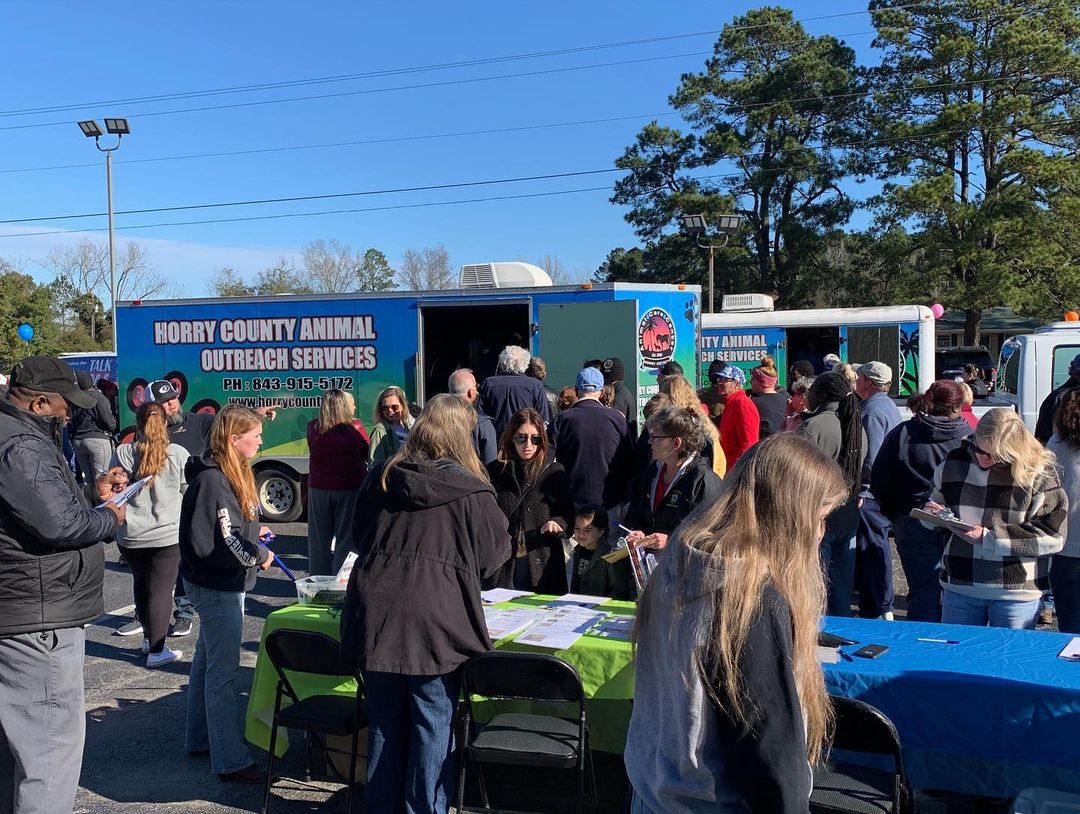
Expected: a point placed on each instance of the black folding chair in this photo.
(843, 786)
(524, 739)
(300, 651)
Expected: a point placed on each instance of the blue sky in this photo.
(74, 53)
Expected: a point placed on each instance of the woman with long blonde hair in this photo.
(391, 424)
(683, 394)
(729, 701)
(428, 532)
(149, 538)
(337, 463)
(1005, 485)
(220, 555)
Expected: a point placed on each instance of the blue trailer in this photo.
(287, 350)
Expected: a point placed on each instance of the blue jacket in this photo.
(904, 470)
(503, 395)
(593, 444)
(879, 416)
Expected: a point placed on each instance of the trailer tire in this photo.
(279, 495)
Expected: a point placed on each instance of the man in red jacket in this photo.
(740, 424)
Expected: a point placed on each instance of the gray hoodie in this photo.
(153, 515)
(683, 754)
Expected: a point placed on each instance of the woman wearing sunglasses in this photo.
(391, 423)
(1005, 485)
(534, 493)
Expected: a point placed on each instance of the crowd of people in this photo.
(764, 507)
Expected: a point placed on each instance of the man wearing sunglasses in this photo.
(52, 569)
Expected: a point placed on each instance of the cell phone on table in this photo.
(826, 639)
(870, 651)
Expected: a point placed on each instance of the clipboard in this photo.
(948, 521)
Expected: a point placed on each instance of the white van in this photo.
(1032, 365)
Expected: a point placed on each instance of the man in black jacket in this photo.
(92, 430)
(625, 402)
(52, 568)
(593, 445)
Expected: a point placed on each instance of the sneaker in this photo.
(181, 626)
(1046, 615)
(249, 774)
(132, 628)
(145, 647)
(166, 656)
(888, 616)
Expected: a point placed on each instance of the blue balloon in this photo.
(26, 331)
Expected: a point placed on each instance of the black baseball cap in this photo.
(162, 391)
(672, 368)
(47, 374)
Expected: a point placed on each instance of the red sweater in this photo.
(740, 426)
(338, 457)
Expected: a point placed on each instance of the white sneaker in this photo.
(888, 616)
(166, 656)
(145, 647)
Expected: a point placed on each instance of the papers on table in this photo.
(828, 655)
(503, 622)
(615, 627)
(496, 595)
(1071, 651)
(123, 497)
(560, 628)
(578, 600)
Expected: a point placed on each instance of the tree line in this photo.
(964, 124)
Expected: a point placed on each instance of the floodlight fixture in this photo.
(728, 224)
(694, 224)
(117, 127)
(91, 129)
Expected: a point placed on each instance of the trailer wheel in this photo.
(279, 495)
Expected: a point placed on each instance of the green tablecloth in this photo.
(603, 664)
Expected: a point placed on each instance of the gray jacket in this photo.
(153, 515)
(684, 754)
(823, 428)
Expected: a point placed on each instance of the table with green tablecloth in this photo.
(603, 664)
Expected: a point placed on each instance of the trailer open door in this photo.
(573, 333)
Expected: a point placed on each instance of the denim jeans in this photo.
(1065, 580)
(873, 559)
(920, 551)
(958, 609)
(838, 562)
(215, 717)
(410, 742)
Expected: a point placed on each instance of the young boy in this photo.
(590, 573)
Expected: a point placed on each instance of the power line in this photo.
(462, 184)
(418, 69)
(388, 140)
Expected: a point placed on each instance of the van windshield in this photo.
(1008, 372)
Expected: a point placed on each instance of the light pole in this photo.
(118, 128)
(696, 226)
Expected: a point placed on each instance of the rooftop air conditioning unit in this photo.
(503, 275)
(747, 302)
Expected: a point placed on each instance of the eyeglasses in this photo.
(390, 408)
(521, 439)
(980, 451)
(654, 435)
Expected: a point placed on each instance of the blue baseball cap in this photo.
(589, 380)
(729, 372)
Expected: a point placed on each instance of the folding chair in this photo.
(300, 651)
(524, 739)
(841, 786)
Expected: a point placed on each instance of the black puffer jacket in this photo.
(52, 561)
(97, 422)
(424, 545)
(547, 499)
(696, 485)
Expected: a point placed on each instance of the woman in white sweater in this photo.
(1065, 569)
(150, 537)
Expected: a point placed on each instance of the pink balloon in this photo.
(937, 309)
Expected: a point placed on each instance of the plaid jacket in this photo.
(1024, 526)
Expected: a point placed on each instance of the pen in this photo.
(624, 528)
(845, 656)
(939, 641)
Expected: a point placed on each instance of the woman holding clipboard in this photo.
(150, 537)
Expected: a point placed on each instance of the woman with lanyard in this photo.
(391, 425)
(678, 480)
(534, 493)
